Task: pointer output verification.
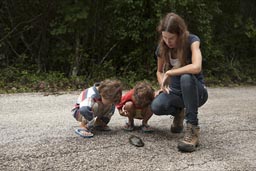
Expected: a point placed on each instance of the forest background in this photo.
(53, 45)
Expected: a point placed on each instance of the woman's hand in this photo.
(158, 92)
(165, 84)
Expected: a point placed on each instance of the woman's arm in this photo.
(160, 74)
(160, 70)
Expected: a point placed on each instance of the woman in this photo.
(179, 65)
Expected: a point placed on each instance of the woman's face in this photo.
(170, 39)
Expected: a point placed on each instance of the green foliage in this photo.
(14, 80)
(70, 17)
(250, 29)
(72, 44)
(235, 46)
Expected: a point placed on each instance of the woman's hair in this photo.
(174, 24)
(143, 93)
(111, 90)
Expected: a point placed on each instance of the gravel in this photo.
(37, 133)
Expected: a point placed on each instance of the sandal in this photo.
(128, 127)
(82, 132)
(146, 128)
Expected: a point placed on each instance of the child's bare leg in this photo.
(147, 116)
(130, 119)
(145, 127)
(130, 110)
(83, 124)
(103, 114)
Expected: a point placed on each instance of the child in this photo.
(96, 105)
(136, 104)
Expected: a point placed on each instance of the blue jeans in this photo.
(192, 95)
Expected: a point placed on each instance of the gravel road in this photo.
(37, 133)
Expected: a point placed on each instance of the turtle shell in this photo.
(136, 141)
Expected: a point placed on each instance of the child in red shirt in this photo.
(135, 104)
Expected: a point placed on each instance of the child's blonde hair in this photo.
(143, 93)
(111, 90)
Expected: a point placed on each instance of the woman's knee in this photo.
(156, 107)
(188, 82)
(159, 108)
(186, 78)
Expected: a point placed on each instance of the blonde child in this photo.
(96, 105)
(135, 104)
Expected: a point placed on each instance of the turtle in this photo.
(136, 141)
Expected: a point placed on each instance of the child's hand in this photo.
(123, 112)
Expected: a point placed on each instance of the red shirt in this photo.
(127, 98)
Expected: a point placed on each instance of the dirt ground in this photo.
(37, 133)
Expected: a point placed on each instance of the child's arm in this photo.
(121, 106)
(123, 112)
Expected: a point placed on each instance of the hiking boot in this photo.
(177, 125)
(191, 138)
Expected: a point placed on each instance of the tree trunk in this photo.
(75, 67)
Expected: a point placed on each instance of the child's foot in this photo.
(128, 127)
(99, 125)
(146, 128)
(83, 132)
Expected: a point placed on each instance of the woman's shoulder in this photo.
(193, 38)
